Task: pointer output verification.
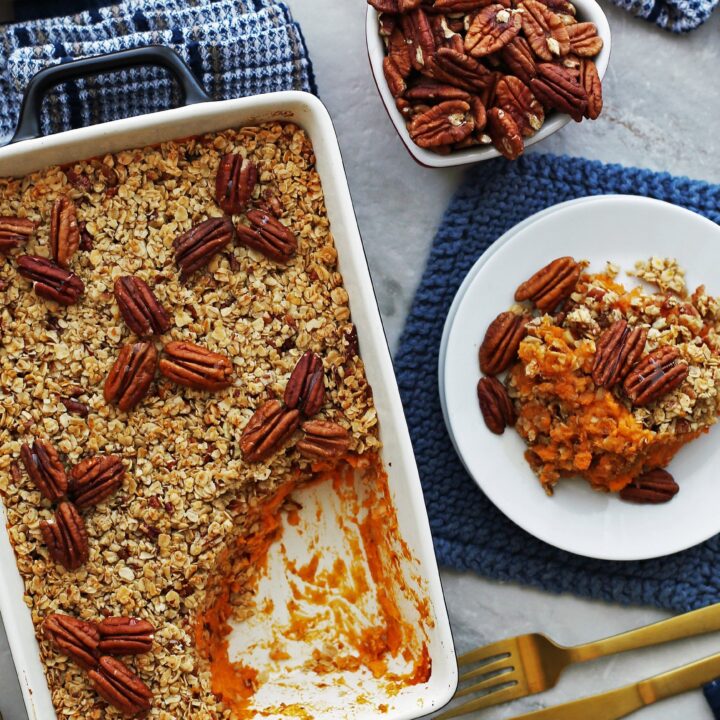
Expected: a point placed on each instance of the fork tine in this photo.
(499, 664)
(488, 652)
(493, 698)
(488, 684)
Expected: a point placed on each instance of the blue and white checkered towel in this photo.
(234, 47)
(675, 15)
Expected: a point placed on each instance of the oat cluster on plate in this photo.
(604, 382)
(468, 73)
(176, 344)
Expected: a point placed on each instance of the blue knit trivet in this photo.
(469, 532)
(234, 47)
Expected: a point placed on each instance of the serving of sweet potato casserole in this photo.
(603, 381)
(177, 357)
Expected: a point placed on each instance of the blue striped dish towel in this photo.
(234, 47)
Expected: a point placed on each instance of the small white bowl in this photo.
(587, 11)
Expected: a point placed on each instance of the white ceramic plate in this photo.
(618, 228)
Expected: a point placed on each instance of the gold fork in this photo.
(529, 664)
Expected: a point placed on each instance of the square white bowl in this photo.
(587, 11)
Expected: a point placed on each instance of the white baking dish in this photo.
(587, 11)
(202, 117)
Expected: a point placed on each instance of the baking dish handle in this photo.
(47, 78)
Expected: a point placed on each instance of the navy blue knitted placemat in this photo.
(469, 532)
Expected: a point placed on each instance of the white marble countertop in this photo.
(661, 111)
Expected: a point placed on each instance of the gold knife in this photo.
(619, 703)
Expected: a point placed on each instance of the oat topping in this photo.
(187, 488)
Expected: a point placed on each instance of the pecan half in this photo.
(94, 479)
(505, 133)
(267, 430)
(552, 284)
(394, 6)
(479, 114)
(499, 347)
(131, 375)
(590, 80)
(459, 69)
(197, 247)
(73, 637)
(495, 405)
(493, 28)
(64, 230)
(459, 6)
(393, 77)
(397, 50)
(125, 636)
(557, 88)
(584, 39)
(419, 37)
(196, 367)
(268, 236)
(563, 9)
(66, 537)
(45, 468)
(653, 487)
(323, 440)
(544, 30)
(234, 183)
(617, 350)
(657, 374)
(142, 311)
(430, 91)
(519, 58)
(14, 231)
(49, 280)
(516, 99)
(115, 683)
(305, 389)
(446, 123)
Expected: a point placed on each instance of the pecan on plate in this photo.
(493, 28)
(45, 468)
(94, 479)
(74, 637)
(393, 77)
(267, 430)
(519, 58)
(617, 351)
(305, 389)
(544, 30)
(115, 683)
(505, 133)
(196, 367)
(234, 183)
(268, 236)
(397, 51)
(479, 114)
(657, 374)
(590, 80)
(419, 36)
(653, 487)
(499, 347)
(66, 537)
(142, 311)
(516, 99)
(495, 405)
(446, 123)
(557, 88)
(458, 69)
(323, 440)
(564, 9)
(552, 284)
(584, 39)
(125, 636)
(458, 6)
(64, 230)
(430, 91)
(197, 247)
(49, 280)
(131, 375)
(14, 231)
(394, 6)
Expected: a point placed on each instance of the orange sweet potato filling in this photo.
(573, 427)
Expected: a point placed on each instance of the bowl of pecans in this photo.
(468, 80)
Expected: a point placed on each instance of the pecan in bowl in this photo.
(446, 68)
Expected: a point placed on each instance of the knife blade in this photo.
(619, 703)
